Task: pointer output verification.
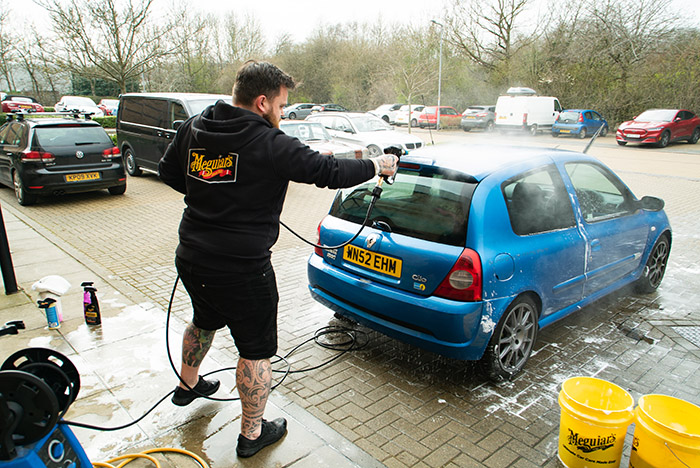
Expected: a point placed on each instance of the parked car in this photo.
(478, 117)
(57, 155)
(366, 130)
(78, 104)
(449, 117)
(406, 115)
(660, 127)
(109, 106)
(386, 112)
(328, 108)
(579, 122)
(317, 138)
(300, 111)
(148, 122)
(13, 103)
(473, 249)
(521, 109)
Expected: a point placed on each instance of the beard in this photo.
(272, 118)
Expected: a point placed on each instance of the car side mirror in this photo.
(348, 130)
(651, 203)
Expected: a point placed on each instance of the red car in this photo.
(660, 127)
(23, 103)
(449, 117)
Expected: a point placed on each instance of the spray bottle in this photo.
(91, 308)
(49, 306)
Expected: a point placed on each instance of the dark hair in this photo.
(256, 78)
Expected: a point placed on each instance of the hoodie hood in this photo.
(221, 123)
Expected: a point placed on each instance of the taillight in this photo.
(525, 118)
(37, 156)
(318, 250)
(482, 114)
(580, 117)
(463, 282)
(111, 153)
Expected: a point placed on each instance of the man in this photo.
(234, 165)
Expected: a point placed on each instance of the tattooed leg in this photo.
(253, 379)
(195, 344)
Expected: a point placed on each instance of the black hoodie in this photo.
(234, 169)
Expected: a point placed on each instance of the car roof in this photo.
(479, 161)
(181, 96)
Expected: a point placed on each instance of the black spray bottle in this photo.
(91, 308)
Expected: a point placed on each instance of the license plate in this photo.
(372, 260)
(564, 131)
(471, 117)
(82, 176)
(632, 135)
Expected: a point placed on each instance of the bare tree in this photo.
(99, 39)
(244, 37)
(7, 49)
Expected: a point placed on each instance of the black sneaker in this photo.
(271, 432)
(183, 397)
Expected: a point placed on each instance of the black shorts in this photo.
(244, 302)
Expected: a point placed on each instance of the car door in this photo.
(12, 137)
(5, 155)
(549, 253)
(684, 126)
(615, 231)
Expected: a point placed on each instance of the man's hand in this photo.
(385, 164)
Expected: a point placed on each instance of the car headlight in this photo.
(655, 129)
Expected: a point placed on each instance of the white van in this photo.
(522, 109)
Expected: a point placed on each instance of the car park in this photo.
(109, 106)
(473, 249)
(449, 117)
(148, 122)
(56, 154)
(386, 112)
(478, 117)
(14, 103)
(317, 138)
(366, 130)
(409, 114)
(78, 104)
(300, 111)
(580, 123)
(660, 127)
(328, 108)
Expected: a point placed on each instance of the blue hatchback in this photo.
(579, 122)
(473, 249)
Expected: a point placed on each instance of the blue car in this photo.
(473, 249)
(579, 122)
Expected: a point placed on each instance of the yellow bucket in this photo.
(666, 433)
(595, 415)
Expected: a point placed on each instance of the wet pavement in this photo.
(386, 404)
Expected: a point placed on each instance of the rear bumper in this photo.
(44, 182)
(449, 328)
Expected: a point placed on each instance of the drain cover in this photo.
(691, 334)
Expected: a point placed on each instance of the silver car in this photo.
(299, 111)
(317, 138)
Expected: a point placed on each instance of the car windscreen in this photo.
(658, 115)
(370, 124)
(307, 131)
(66, 135)
(79, 101)
(424, 202)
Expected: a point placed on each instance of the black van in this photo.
(147, 123)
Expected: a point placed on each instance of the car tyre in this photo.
(655, 267)
(555, 134)
(130, 165)
(621, 143)
(414, 123)
(117, 190)
(292, 116)
(490, 126)
(665, 139)
(23, 198)
(583, 133)
(533, 130)
(374, 151)
(512, 341)
(466, 129)
(694, 137)
(604, 131)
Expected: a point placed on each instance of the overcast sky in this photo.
(300, 17)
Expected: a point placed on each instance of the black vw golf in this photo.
(56, 154)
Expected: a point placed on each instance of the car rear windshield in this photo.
(67, 135)
(426, 203)
(569, 117)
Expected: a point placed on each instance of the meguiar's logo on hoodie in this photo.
(213, 169)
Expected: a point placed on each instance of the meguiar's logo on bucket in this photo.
(591, 444)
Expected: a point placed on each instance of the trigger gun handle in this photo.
(398, 152)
